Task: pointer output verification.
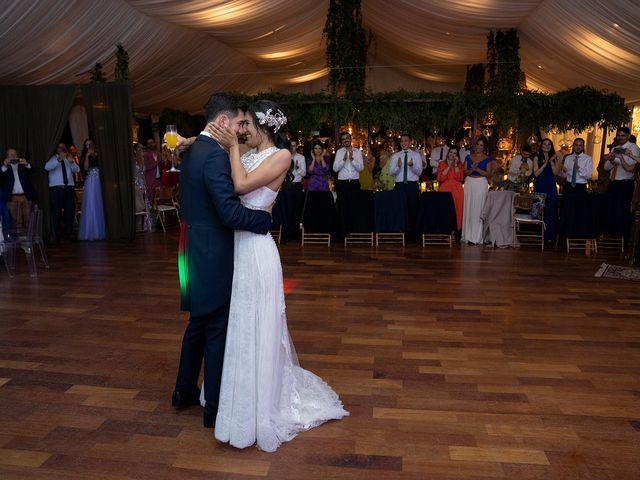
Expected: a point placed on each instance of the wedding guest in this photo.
(61, 168)
(520, 169)
(348, 164)
(462, 148)
(78, 177)
(92, 225)
(318, 168)
(17, 190)
(496, 168)
(450, 178)
(298, 167)
(476, 188)
(621, 166)
(384, 178)
(577, 168)
(366, 174)
(546, 166)
(140, 187)
(152, 168)
(438, 154)
(406, 167)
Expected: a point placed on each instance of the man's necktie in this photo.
(614, 171)
(65, 178)
(406, 166)
(574, 174)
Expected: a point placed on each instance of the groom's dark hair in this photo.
(221, 102)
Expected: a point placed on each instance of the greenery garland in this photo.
(417, 112)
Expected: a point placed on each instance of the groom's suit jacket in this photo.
(211, 211)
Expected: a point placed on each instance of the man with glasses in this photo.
(61, 168)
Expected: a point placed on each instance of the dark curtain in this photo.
(13, 120)
(47, 112)
(109, 111)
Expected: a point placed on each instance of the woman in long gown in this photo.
(92, 225)
(265, 396)
(450, 177)
(476, 189)
(546, 166)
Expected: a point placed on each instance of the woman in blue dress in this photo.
(476, 189)
(546, 166)
(92, 226)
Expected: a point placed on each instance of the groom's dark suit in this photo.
(211, 211)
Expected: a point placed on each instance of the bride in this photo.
(265, 396)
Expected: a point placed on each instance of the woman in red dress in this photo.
(450, 177)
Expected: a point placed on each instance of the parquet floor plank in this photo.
(456, 364)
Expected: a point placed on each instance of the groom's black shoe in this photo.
(209, 420)
(182, 400)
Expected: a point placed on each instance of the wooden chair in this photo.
(366, 238)
(611, 244)
(588, 245)
(276, 233)
(523, 216)
(385, 238)
(315, 238)
(437, 239)
(165, 201)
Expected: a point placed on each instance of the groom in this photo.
(211, 211)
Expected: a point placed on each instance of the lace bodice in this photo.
(263, 197)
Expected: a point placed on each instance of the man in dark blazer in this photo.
(17, 190)
(211, 212)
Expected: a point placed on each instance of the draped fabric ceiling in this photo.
(182, 50)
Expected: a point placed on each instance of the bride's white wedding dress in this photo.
(265, 396)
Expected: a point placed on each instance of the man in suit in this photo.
(17, 189)
(211, 212)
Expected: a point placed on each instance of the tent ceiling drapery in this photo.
(181, 50)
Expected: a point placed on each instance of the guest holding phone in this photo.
(92, 225)
(18, 192)
(621, 166)
(61, 168)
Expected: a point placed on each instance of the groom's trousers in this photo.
(205, 336)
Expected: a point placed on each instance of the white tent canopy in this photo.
(182, 50)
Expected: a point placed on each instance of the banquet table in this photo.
(390, 211)
(436, 213)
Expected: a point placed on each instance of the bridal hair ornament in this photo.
(275, 120)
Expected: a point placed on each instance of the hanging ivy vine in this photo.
(503, 67)
(347, 44)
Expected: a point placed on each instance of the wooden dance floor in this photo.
(463, 363)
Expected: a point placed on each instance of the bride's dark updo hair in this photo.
(276, 129)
